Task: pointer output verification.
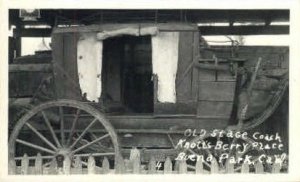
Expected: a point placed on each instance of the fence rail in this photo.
(133, 165)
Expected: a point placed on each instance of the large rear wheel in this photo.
(64, 129)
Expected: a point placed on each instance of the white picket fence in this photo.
(133, 165)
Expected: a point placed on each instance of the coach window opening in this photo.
(127, 84)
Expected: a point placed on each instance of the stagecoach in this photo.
(107, 88)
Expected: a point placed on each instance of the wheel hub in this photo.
(61, 155)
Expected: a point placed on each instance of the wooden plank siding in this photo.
(65, 66)
(57, 54)
(214, 109)
(195, 72)
(185, 59)
(70, 66)
(216, 93)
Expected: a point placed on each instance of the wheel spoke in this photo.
(94, 154)
(34, 157)
(220, 151)
(41, 136)
(83, 133)
(86, 164)
(190, 150)
(233, 142)
(191, 167)
(99, 143)
(62, 125)
(73, 127)
(90, 143)
(51, 129)
(35, 146)
(48, 163)
(255, 159)
(209, 152)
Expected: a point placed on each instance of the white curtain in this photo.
(164, 60)
(89, 62)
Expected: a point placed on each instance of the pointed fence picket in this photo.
(168, 166)
(259, 168)
(214, 167)
(77, 165)
(152, 166)
(38, 165)
(91, 165)
(133, 165)
(12, 168)
(25, 164)
(245, 168)
(199, 167)
(135, 158)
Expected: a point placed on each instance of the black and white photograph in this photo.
(148, 91)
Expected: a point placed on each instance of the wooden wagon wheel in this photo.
(69, 136)
(274, 103)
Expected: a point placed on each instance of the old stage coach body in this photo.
(119, 86)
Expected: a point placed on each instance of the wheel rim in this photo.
(73, 134)
(274, 103)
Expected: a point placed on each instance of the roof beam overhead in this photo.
(198, 16)
(238, 22)
(33, 32)
(244, 30)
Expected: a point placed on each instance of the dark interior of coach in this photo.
(127, 84)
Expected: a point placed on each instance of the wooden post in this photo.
(259, 168)
(18, 40)
(152, 166)
(78, 165)
(155, 88)
(91, 165)
(199, 167)
(67, 165)
(182, 167)
(168, 166)
(105, 165)
(135, 158)
(25, 164)
(38, 164)
(245, 168)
